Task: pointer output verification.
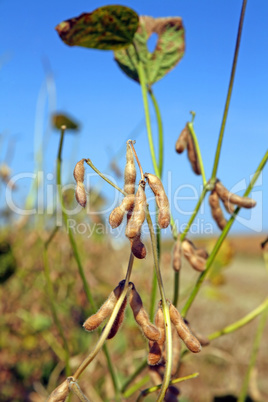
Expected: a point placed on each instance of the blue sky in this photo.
(88, 85)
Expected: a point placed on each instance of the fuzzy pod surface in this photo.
(160, 198)
(227, 196)
(117, 214)
(130, 171)
(141, 316)
(104, 311)
(181, 142)
(183, 331)
(133, 228)
(216, 210)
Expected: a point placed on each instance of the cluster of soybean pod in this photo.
(133, 206)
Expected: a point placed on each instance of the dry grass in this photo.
(30, 348)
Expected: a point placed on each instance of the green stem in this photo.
(138, 370)
(221, 239)
(199, 156)
(240, 323)
(70, 233)
(147, 116)
(160, 132)
(254, 353)
(157, 387)
(154, 279)
(109, 324)
(229, 93)
(182, 237)
(165, 308)
(74, 387)
(192, 218)
(139, 384)
(77, 257)
(52, 299)
(88, 161)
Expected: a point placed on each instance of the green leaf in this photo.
(60, 119)
(106, 28)
(168, 51)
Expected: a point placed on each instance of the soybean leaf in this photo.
(106, 28)
(168, 51)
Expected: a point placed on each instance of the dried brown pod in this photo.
(176, 351)
(155, 353)
(138, 248)
(133, 228)
(79, 171)
(183, 331)
(80, 194)
(160, 198)
(204, 341)
(60, 393)
(229, 207)
(130, 171)
(192, 155)
(156, 347)
(189, 252)
(105, 310)
(181, 142)
(118, 320)
(141, 316)
(227, 196)
(176, 262)
(117, 214)
(216, 210)
(201, 252)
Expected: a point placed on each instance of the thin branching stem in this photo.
(70, 233)
(74, 387)
(221, 238)
(229, 93)
(254, 353)
(165, 308)
(157, 387)
(182, 237)
(77, 257)
(240, 323)
(131, 378)
(137, 386)
(54, 311)
(137, 159)
(147, 116)
(89, 162)
(160, 132)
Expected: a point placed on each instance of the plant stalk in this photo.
(242, 322)
(254, 353)
(147, 115)
(221, 239)
(229, 93)
(165, 308)
(157, 387)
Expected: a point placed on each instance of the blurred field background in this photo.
(31, 351)
(39, 77)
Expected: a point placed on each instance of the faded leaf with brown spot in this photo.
(168, 51)
(106, 28)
